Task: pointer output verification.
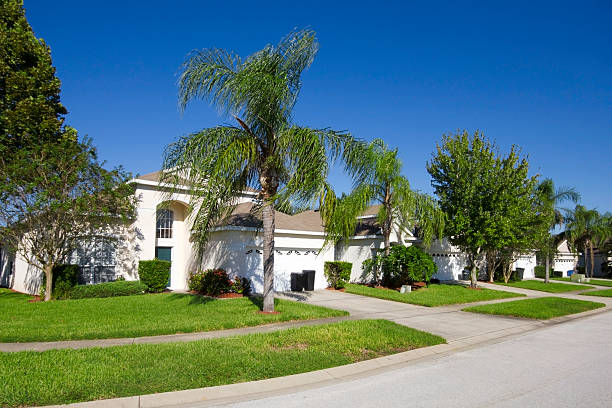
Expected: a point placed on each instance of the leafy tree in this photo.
(30, 108)
(265, 151)
(588, 228)
(377, 179)
(488, 198)
(56, 194)
(549, 198)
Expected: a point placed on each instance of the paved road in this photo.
(566, 365)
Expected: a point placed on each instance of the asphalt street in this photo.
(566, 365)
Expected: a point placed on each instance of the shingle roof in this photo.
(304, 221)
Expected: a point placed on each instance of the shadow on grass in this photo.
(193, 299)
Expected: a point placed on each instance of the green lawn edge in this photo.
(552, 287)
(68, 376)
(434, 295)
(139, 316)
(597, 282)
(601, 293)
(537, 308)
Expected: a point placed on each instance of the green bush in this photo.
(540, 271)
(64, 278)
(108, 289)
(241, 286)
(154, 274)
(211, 282)
(338, 273)
(406, 265)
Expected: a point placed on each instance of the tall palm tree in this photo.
(377, 179)
(265, 150)
(585, 229)
(550, 198)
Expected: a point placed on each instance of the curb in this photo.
(273, 386)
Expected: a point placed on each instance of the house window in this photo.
(164, 223)
(96, 257)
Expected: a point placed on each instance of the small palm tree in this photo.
(377, 179)
(265, 150)
(550, 198)
(587, 228)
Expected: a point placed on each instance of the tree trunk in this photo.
(584, 253)
(388, 222)
(592, 257)
(547, 276)
(48, 269)
(268, 256)
(490, 266)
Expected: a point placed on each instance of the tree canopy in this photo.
(488, 198)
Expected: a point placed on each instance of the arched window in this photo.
(164, 223)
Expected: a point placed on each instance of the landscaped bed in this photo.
(134, 316)
(602, 293)
(599, 282)
(538, 308)
(434, 295)
(551, 287)
(65, 376)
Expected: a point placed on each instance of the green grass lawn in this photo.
(600, 282)
(133, 316)
(551, 287)
(65, 376)
(539, 308)
(602, 293)
(434, 295)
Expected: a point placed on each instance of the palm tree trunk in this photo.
(592, 257)
(268, 256)
(48, 270)
(547, 276)
(584, 253)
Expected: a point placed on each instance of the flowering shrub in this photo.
(215, 282)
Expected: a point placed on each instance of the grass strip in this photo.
(551, 287)
(599, 282)
(66, 376)
(602, 293)
(134, 316)
(434, 295)
(538, 308)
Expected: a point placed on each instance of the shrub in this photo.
(211, 282)
(406, 265)
(241, 285)
(64, 278)
(154, 274)
(108, 289)
(338, 273)
(540, 271)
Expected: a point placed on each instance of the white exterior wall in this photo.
(357, 251)
(239, 252)
(449, 259)
(565, 260)
(528, 263)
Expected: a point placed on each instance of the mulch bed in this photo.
(337, 290)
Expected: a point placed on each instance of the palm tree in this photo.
(587, 228)
(377, 179)
(265, 150)
(550, 198)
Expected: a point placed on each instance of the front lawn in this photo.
(602, 293)
(434, 295)
(134, 316)
(538, 308)
(551, 287)
(66, 376)
(599, 282)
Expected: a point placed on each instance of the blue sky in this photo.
(535, 74)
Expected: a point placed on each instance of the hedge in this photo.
(540, 271)
(154, 274)
(338, 273)
(108, 289)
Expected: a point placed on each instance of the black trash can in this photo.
(309, 279)
(519, 274)
(297, 282)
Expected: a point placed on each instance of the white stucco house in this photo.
(161, 229)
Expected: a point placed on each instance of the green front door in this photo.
(165, 254)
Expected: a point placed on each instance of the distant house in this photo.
(162, 230)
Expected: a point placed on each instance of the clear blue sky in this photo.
(536, 74)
